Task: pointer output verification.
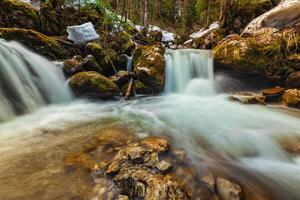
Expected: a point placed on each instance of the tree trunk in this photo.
(225, 10)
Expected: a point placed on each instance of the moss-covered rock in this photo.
(104, 57)
(38, 42)
(18, 14)
(72, 66)
(149, 66)
(121, 43)
(266, 52)
(94, 85)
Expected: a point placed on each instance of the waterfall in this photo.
(27, 81)
(189, 71)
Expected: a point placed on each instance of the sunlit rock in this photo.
(282, 15)
(149, 66)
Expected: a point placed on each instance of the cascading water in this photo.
(243, 143)
(189, 71)
(28, 81)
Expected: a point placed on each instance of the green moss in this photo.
(152, 59)
(36, 41)
(268, 53)
(14, 13)
(93, 84)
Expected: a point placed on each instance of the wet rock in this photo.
(149, 66)
(164, 188)
(179, 154)
(156, 144)
(113, 167)
(163, 166)
(273, 92)
(293, 80)
(228, 190)
(93, 85)
(136, 153)
(38, 42)
(151, 159)
(18, 14)
(210, 181)
(249, 98)
(72, 66)
(291, 98)
(89, 63)
(121, 78)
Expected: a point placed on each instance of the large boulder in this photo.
(149, 66)
(18, 14)
(266, 52)
(286, 13)
(93, 85)
(49, 47)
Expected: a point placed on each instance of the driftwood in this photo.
(130, 89)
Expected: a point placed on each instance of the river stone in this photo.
(293, 80)
(273, 92)
(163, 166)
(228, 190)
(93, 85)
(156, 144)
(71, 66)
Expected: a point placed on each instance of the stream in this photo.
(241, 141)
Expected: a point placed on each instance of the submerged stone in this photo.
(228, 190)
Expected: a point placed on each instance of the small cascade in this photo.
(27, 81)
(189, 71)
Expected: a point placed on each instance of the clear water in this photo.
(240, 141)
